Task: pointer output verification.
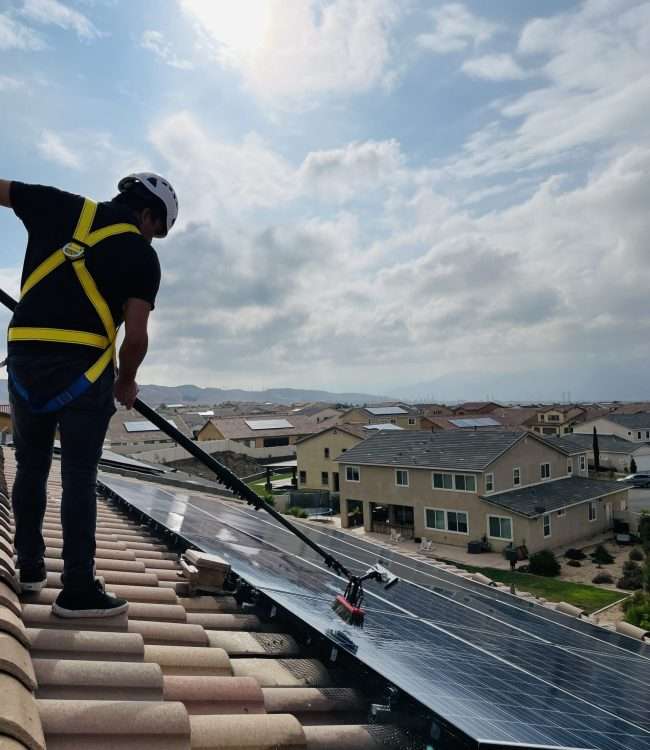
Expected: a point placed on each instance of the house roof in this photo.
(124, 423)
(606, 443)
(560, 493)
(471, 450)
(178, 672)
(236, 428)
(355, 430)
(476, 406)
(639, 421)
(566, 444)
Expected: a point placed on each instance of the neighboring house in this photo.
(434, 410)
(475, 407)
(555, 420)
(633, 427)
(319, 412)
(129, 432)
(465, 423)
(316, 455)
(402, 415)
(5, 417)
(614, 452)
(455, 487)
(260, 431)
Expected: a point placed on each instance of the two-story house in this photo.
(556, 420)
(632, 427)
(455, 487)
(316, 455)
(402, 415)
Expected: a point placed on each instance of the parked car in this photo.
(640, 479)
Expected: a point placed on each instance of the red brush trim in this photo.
(354, 614)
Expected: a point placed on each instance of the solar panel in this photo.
(144, 426)
(268, 424)
(478, 422)
(380, 411)
(500, 670)
(385, 426)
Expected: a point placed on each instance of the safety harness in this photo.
(72, 254)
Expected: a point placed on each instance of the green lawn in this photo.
(259, 484)
(588, 598)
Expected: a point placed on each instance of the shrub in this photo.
(297, 512)
(574, 563)
(636, 554)
(544, 563)
(601, 556)
(629, 566)
(602, 578)
(632, 578)
(637, 610)
(644, 530)
(575, 554)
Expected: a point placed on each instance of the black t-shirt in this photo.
(123, 267)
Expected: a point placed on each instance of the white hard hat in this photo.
(157, 185)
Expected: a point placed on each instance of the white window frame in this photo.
(541, 471)
(446, 512)
(348, 469)
(569, 466)
(412, 420)
(453, 475)
(501, 518)
(491, 481)
(591, 505)
(518, 482)
(302, 476)
(326, 476)
(546, 517)
(583, 462)
(326, 452)
(400, 484)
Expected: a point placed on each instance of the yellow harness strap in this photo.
(74, 252)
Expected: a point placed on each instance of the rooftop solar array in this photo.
(478, 422)
(381, 411)
(144, 426)
(501, 671)
(268, 424)
(384, 426)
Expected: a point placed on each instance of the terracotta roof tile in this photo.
(283, 672)
(215, 695)
(40, 616)
(256, 732)
(15, 661)
(85, 644)
(9, 599)
(208, 604)
(254, 644)
(19, 715)
(7, 743)
(354, 737)
(13, 626)
(157, 612)
(317, 700)
(222, 621)
(102, 564)
(189, 660)
(169, 633)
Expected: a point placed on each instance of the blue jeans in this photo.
(82, 428)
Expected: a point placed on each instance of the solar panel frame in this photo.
(269, 424)
(144, 425)
(252, 546)
(384, 411)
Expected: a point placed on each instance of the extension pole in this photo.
(225, 476)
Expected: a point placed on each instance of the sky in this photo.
(423, 199)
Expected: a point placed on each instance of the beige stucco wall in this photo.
(209, 432)
(359, 416)
(311, 457)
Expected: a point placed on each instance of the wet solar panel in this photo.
(503, 672)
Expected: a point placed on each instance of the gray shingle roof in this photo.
(639, 421)
(607, 443)
(566, 444)
(542, 498)
(453, 449)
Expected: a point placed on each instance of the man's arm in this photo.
(133, 350)
(5, 193)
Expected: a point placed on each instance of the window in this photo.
(500, 527)
(392, 421)
(583, 463)
(547, 524)
(343, 450)
(324, 478)
(303, 477)
(545, 471)
(411, 420)
(352, 473)
(638, 436)
(459, 482)
(569, 466)
(553, 418)
(516, 476)
(561, 512)
(402, 478)
(489, 483)
(592, 513)
(326, 452)
(443, 481)
(541, 417)
(454, 521)
(465, 482)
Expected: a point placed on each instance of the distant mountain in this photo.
(192, 394)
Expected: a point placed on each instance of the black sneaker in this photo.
(93, 602)
(32, 577)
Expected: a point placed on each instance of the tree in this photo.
(632, 466)
(596, 451)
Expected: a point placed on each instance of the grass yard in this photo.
(259, 484)
(588, 598)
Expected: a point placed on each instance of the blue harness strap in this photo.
(80, 385)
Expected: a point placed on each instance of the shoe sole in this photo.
(75, 613)
(32, 586)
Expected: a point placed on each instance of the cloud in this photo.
(498, 67)
(54, 149)
(9, 83)
(15, 35)
(289, 54)
(91, 152)
(55, 13)
(155, 42)
(455, 29)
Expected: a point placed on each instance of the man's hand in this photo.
(126, 392)
(5, 193)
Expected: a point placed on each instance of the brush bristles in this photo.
(348, 612)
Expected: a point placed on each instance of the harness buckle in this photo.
(74, 250)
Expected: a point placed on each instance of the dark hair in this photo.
(138, 198)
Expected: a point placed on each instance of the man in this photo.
(88, 268)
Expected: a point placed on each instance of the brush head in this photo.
(347, 611)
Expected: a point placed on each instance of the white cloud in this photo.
(292, 53)
(53, 12)
(9, 83)
(455, 29)
(15, 35)
(54, 149)
(155, 42)
(498, 67)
